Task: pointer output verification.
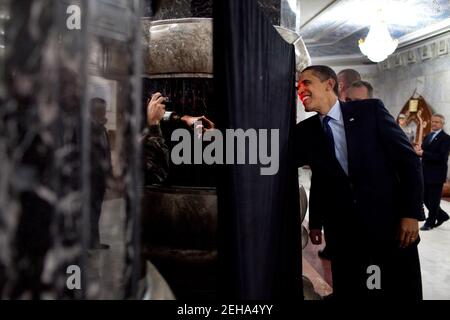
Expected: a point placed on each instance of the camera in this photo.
(168, 103)
(169, 115)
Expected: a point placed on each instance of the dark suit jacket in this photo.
(435, 158)
(385, 175)
(100, 155)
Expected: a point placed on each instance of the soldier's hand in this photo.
(155, 109)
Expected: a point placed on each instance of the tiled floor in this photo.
(434, 250)
(107, 267)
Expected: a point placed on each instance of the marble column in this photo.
(56, 55)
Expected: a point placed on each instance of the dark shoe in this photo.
(441, 221)
(426, 227)
(100, 246)
(324, 254)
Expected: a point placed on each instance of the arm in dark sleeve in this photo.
(315, 208)
(302, 159)
(405, 160)
(440, 155)
(156, 156)
(301, 155)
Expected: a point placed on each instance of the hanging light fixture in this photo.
(378, 44)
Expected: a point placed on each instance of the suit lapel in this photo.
(426, 141)
(322, 142)
(322, 139)
(438, 137)
(350, 122)
(330, 154)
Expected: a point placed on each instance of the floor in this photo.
(107, 266)
(434, 251)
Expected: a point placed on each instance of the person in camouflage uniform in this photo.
(156, 151)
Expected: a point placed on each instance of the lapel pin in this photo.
(351, 119)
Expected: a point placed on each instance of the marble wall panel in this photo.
(430, 75)
(47, 164)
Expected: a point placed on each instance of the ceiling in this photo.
(332, 29)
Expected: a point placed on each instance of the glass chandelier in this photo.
(378, 44)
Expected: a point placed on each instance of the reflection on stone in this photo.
(175, 9)
(40, 206)
(188, 96)
(176, 47)
(45, 142)
(179, 238)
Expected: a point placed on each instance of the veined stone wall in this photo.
(425, 68)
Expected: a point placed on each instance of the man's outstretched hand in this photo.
(205, 123)
(155, 109)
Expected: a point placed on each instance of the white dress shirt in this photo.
(340, 142)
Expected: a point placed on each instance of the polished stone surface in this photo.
(178, 46)
(39, 190)
(192, 96)
(174, 9)
(106, 266)
(47, 171)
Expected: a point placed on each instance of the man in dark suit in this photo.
(366, 191)
(434, 153)
(101, 168)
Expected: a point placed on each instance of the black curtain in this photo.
(259, 217)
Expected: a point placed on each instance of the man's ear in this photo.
(330, 84)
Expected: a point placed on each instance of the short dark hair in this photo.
(324, 73)
(362, 83)
(349, 75)
(96, 103)
(97, 100)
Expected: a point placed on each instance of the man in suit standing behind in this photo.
(101, 168)
(434, 153)
(345, 78)
(366, 191)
